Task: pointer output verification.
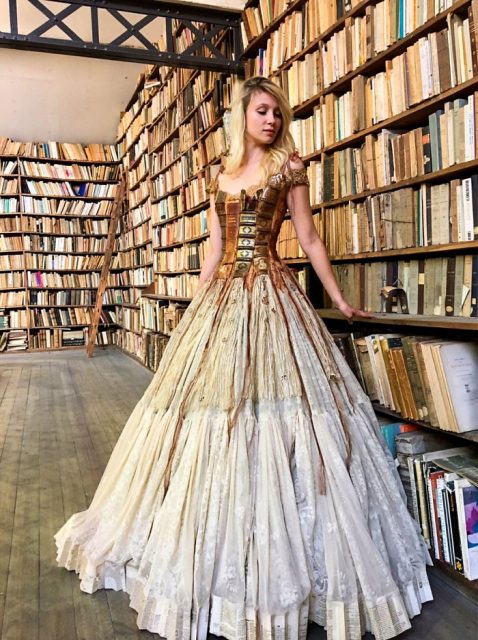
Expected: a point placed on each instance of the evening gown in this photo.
(251, 490)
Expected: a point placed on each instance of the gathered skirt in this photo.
(251, 490)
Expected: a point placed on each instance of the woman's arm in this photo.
(215, 245)
(299, 204)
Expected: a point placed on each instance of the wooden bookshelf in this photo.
(62, 193)
(182, 116)
(342, 120)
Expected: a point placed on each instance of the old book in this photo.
(450, 286)
(467, 283)
(414, 375)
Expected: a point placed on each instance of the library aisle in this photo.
(60, 415)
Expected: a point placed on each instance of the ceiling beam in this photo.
(194, 36)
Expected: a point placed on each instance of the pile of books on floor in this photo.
(440, 479)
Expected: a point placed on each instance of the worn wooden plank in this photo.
(57, 611)
(60, 416)
(22, 603)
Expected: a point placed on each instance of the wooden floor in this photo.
(60, 416)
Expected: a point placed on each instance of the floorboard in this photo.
(60, 416)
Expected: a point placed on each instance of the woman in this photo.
(250, 490)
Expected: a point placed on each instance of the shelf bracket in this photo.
(143, 31)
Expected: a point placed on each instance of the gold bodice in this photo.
(250, 225)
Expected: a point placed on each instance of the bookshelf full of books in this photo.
(135, 258)
(180, 139)
(385, 99)
(55, 202)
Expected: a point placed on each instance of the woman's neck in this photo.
(253, 156)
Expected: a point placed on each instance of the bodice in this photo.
(250, 224)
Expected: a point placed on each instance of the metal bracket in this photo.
(186, 35)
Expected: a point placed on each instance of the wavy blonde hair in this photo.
(278, 152)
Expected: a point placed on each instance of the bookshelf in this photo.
(182, 137)
(365, 166)
(54, 209)
(385, 100)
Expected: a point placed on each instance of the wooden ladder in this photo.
(105, 270)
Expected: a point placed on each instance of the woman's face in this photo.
(263, 118)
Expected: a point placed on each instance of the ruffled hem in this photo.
(386, 618)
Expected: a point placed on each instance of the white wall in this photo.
(66, 98)
(63, 98)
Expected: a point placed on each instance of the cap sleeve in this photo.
(298, 176)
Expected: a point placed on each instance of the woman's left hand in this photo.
(350, 312)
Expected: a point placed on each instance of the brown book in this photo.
(422, 370)
(391, 385)
(444, 60)
(415, 380)
(405, 385)
(472, 27)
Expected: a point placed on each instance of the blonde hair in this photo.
(278, 152)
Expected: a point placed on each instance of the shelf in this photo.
(461, 247)
(73, 288)
(405, 119)
(36, 214)
(177, 273)
(72, 326)
(69, 161)
(196, 209)
(65, 235)
(43, 270)
(403, 319)
(432, 176)
(62, 197)
(181, 243)
(66, 306)
(257, 43)
(63, 253)
(26, 176)
(137, 225)
(157, 296)
(466, 435)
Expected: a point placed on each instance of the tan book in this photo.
(391, 383)
(366, 367)
(435, 390)
(467, 280)
(449, 423)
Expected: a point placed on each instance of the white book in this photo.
(460, 366)
(467, 209)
